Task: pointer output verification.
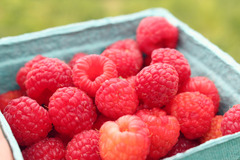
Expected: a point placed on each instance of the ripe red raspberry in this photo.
(194, 112)
(84, 146)
(116, 98)
(28, 120)
(129, 45)
(91, 71)
(5, 98)
(214, 131)
(182, 145)
(23, 71)
(47, 149)
(128, 62)
(71, 111)
(125, 45)
(204, 86)
(156, 32)
(101, 119)
(45, 77)
(157, 84)
(174, 58)
(75, 58)
(164, 131)
(126, 138)
(231, 121)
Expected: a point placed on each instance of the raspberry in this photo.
(126, 138)
(47, 149)
(71, 111)
(5, 98)
(116, 98)
(194, 111)
(129, 45)
(75, 58)
(28, 120)
(182, 145)
(156, 32)
(164, 131)
(157, 84)
(125, 45)
(23, 71)
(231, 121)
(128, 62)
(45, 77)
(100, 121)
(204, 86)
(91, 71)
(215, 129)
(174, 58)
(84, 146)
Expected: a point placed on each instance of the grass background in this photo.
(217, 20)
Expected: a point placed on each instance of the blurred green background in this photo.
(217, 20)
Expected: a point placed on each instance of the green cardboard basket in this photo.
(63, 42)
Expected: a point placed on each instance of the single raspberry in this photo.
(157, 84)
(71, 111)
(231, 121)
(182, 145)
(125, 45)
(101, 119)
(174, 58)
(164, 131)
(6, 97)
(156, 32)
(47, 149)
(45, 77)
(116, 98)
(194, 111)
(84, 146)
(129, 45)
(204, 86)
(126, 138)
(28, 120)
(214, 131)
(75, 58)
(23, 71)
(127, 61)
(91, 71)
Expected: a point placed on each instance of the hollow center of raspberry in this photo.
(123, 127)
(94, 71)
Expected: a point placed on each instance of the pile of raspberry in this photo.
(136, 100)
